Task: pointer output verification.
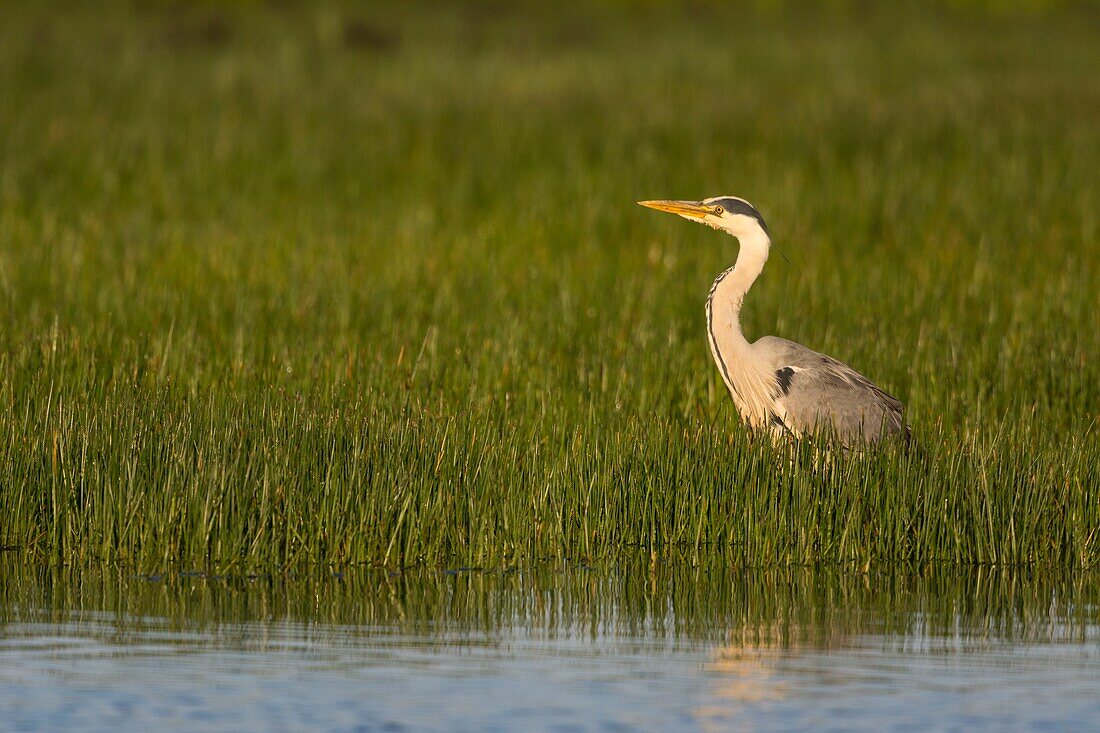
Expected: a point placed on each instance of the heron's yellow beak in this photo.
(690, 209)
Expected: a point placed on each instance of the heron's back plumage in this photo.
(815, 392)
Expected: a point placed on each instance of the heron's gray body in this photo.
(778, 385)
(816, 392)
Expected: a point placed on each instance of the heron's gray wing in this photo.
(815, 392)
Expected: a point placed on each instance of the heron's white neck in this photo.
(748, 380)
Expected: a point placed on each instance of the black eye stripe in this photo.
(738, 206)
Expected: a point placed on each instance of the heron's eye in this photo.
(717, 210)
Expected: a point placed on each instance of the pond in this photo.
(634, 645)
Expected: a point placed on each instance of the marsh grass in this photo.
(287, 285)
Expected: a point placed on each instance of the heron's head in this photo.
(728, 213)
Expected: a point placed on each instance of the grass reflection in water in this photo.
(744, 612)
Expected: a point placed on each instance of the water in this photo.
(634, 646)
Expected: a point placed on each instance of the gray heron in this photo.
(780, 386)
